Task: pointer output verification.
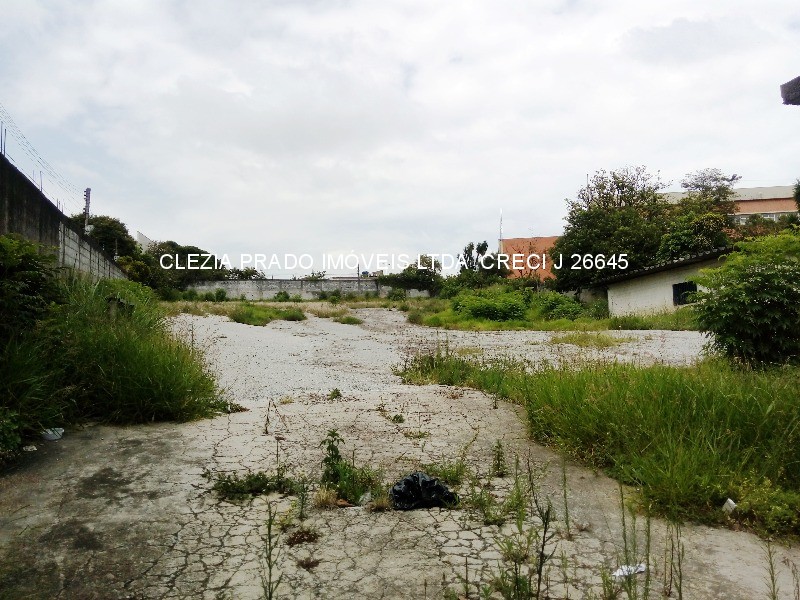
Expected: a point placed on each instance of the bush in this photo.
(220, 295)
(552, 305)
(190, 295)
(396, 294)
(501, 307)
(27, 285)
(751, 304)
(208, 297)
(281, 296)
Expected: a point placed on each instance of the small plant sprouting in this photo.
(398, 419)
(269, 582)
(334, 394)
(568, 533)
(499, 468)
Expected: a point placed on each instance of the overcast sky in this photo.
(334, 126)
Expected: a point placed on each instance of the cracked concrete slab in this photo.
(126, 512)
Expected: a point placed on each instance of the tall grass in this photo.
(127, 367)
(83, 360)
(688, 437)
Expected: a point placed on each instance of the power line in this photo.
(70, 193)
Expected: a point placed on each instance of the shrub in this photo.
(220, 295)
(396, 294)
(502, 307)
(552, 305)
(281, 296)
(751, 304)
(190, 295)
(27, 285)
(208, 297)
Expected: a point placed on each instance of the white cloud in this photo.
(399, 126)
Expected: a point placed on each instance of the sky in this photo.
(335, 127)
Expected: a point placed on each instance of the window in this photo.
(681, 291)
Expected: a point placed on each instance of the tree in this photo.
(710, 190)
(110, 234)
(618, 213)
(797, 194)
(751, 304)
(689, 234)
(424, 275)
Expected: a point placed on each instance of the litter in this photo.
(729, 506)
(419, 490)
(628, 570)
(52, 434)
(29, 448)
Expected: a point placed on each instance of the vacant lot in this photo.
(127, 512)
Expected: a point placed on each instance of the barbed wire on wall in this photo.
(24, 156)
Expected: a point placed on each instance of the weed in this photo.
(286, 400)
(236, 488)
(348, 320)
(349, 482)
(564, 496)
(416, 435)
(725, 432)
(499, 468)
(334, 394)
(325, 498)
(398, 419)
(269, 582)
(451, 473)
(584, 339)
(308, 563)
(380, 503)
(302, 535)
(259, 315)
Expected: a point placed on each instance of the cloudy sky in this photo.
(336, 126)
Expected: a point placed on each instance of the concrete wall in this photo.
(265, 289)
(26, 211)
(651, 294)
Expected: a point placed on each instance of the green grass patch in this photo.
(237, 488)
(260, 315)
(348, 320)
(584, 339)
(687, 437)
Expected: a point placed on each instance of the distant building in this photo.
(661, 288)
(529, 256)
(769, 202)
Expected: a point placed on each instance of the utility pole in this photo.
(86, 194)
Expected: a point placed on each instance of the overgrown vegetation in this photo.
(340, 474)
(510, 306)
(751, 304)
(688, 437)
(259, 314)
(72, 350)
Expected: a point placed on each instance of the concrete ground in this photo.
(125, 512)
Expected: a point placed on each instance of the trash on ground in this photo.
(53, 434)
(419, 490)
(628, 570)
(29, 448)
(729, 506)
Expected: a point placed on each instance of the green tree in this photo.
(710, 190)
(617, 213)
(751, 304)
(689, 234)
(110, 234)
(424, 275)
(797, 194)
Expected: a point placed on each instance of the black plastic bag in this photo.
(419, 490)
